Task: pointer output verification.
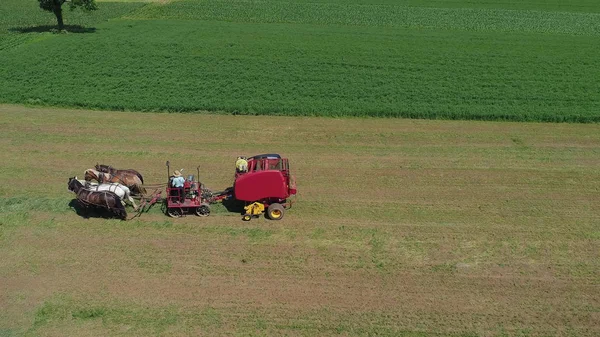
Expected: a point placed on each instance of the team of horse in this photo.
(88, 199)
(112, 189)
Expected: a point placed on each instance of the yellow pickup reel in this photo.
(254, 210)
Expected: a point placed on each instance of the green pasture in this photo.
(511, 60)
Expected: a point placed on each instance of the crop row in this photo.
(587, 6)
(170, 65)
(388, 15)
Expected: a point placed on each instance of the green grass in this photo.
(139, 320)
(23, 22)
(522, 61)
(545, 5)
(16, 14)
(401, 228)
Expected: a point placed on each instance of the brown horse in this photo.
(117, 172)
(132, 181)
(102, 199)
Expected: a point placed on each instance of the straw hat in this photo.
(177, 173)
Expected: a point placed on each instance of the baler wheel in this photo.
(275, 211)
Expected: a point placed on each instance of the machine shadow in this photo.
(234, 206)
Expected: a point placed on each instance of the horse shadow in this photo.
(78, 29)
(91, 212)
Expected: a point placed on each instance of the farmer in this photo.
(241, 164)
(177, 183)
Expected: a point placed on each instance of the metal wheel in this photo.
(247, 217)
(175, 212)
(275, 211)
(203, 210)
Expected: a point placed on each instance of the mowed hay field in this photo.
(401, 228)
(529, 60)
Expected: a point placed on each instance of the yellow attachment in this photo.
(255, 208)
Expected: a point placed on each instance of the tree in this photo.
(55, 6)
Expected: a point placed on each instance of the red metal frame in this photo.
(268, 180)
(192, 198)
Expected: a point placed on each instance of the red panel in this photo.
(259, 185)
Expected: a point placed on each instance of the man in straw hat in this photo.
(177, 183)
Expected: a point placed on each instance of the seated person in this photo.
(241, 165)
(178, 182)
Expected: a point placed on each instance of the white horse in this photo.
(121, 190)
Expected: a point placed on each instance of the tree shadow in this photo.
(91, 212)
(53, 29)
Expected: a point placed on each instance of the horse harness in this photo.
(113, 187)
(102, 178)
(88, 203)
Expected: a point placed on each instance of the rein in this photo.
(153, 186)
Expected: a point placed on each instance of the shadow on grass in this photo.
(53, 29)
(92, 212)
(233, 205)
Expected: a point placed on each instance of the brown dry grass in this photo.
(402, 227)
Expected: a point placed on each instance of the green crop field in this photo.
(401, 228)
(507, 60)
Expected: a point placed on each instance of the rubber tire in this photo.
(275, 211)
(203, 210)
(247, 217)
(175, 212)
